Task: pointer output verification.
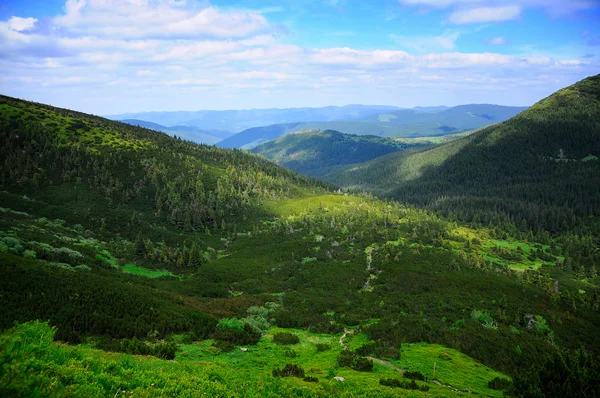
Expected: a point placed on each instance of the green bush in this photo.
(223, 346)
(363, 365)
(290, 353)
(311, 379)
(412, 385)
(346, 358)
(29, 254)
(349, 359)
(285, 338)
(231, 333)
(379, 349)
(415, 376)
(323, 347)
(289, 370)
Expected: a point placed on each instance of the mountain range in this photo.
(189, 133)
(238, 120)
(398, 123)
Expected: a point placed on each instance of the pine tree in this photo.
(195, 257)
(140, 246)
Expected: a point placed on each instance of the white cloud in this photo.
(21, 24)
(156, 19)
(497, 41)
(485, 14)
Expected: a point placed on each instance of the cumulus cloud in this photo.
(157, 19)
(485, 14)
(21, 24)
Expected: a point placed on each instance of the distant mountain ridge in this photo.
(238, 120)
(189, 133)
(398, 123)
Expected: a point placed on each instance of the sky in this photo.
(117, 56)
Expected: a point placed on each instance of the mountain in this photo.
(238, 120)
(324, 154)
(190, 133)
(309, 152)
(134, 263)
(539, 169)
(430, 108)
(399, 123)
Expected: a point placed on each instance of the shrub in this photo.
(379, 349)
(29, 254)
(323, 347)
(498, 383)
(13, 244)
(363, 365)
(311, 379)
(349, 359)
(229, 331)
(163, 350)
(346, 358)
(289, 370)
(412, 385)
(223, 346)
(290, 353)
(483, 317)
(415, 376)
(285, 338)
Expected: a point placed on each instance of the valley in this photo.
(138, 263)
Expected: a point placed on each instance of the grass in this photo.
(461, 371)
(145, 272)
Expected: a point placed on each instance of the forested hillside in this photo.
(308, 152)
(538, 170)
(135, 247)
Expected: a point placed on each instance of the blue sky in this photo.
(116, 56)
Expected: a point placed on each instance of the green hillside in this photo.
(140, 248)
(309, 151)
(539, 170)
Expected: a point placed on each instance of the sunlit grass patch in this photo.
(145, 272)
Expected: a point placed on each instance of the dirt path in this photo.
(386, 363)
(346, 331)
